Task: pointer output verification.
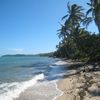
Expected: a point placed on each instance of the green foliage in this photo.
(95, 12)
(76, 42)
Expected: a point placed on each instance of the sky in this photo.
(30, 26)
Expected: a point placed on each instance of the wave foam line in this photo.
(61, 92)
(19, 87)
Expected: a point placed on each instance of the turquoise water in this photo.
(22, 68)
(17, 73)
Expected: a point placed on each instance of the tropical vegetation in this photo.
(76, 42)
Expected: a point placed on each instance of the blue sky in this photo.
(30, 26)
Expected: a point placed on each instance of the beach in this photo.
(42, 78)
(28, 78)
(50, 50)
(80, 86)
(72, 86)
(40, 91)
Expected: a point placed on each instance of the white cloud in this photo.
(17, 51)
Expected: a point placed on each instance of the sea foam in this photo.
(13, 90)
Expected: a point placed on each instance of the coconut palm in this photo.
(95, 11)
(74, 16)
(72, 20)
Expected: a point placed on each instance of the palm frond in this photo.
(64, 17)
(58, 30)
(89, 11)
(87, 21)
(79, 8)
(68, 6)
(89, 4)
(61, 24)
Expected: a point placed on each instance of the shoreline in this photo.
(65, 86)
(46, 91)
(58, 90)
(28, 93)
(61, 84)
(72, 86)
(79, 86)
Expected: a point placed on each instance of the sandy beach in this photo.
(40, 91)
(73, 86)
(81, 86)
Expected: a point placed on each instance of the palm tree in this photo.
(72, 20)
(95, 10)
(74, 16)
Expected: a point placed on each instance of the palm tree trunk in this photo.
(97, 17)
(97, 21)
(99, 27)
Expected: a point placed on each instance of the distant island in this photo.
(50, 54)
(22, 55)
(9, 55)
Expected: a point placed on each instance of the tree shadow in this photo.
(62, 71)
(94, 92)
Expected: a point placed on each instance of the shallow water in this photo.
(46, 90)
(20, 73)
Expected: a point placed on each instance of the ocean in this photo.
(18, 73)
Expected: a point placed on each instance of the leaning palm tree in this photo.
(95, 11)
(74, 16)
(72, 20)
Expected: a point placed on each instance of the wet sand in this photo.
(40, 91)
(80, 86)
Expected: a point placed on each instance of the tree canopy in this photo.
(76, 42)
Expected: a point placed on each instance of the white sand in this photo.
(74, 87)
(40, 91)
